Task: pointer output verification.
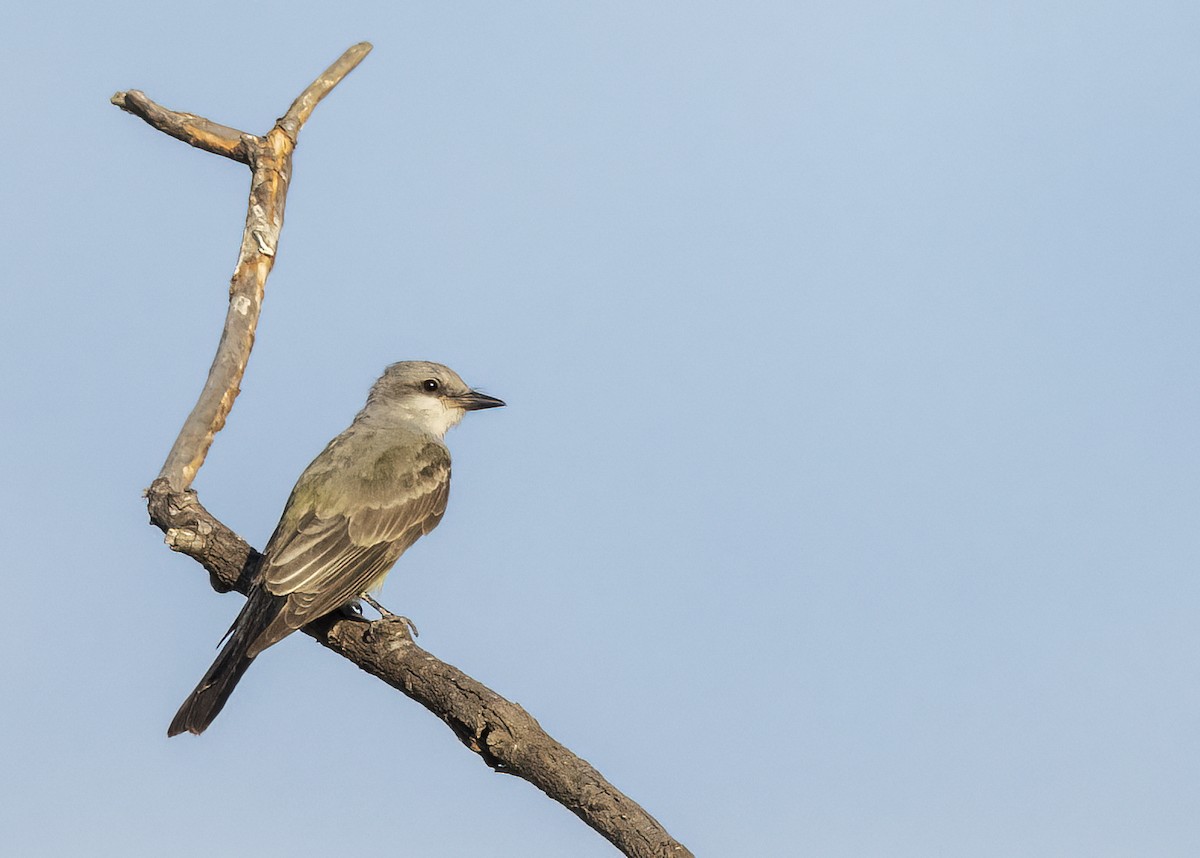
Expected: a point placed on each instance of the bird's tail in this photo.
(206, 702)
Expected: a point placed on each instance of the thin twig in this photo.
(302, 107)
(194, 130)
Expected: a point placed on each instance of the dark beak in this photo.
(473, 400)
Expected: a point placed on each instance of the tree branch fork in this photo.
(505, 736)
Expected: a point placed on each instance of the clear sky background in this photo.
(846, 500)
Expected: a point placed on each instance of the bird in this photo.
(372, 492)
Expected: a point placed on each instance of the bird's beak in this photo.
(473, 400)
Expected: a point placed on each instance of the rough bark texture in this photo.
(504, 735)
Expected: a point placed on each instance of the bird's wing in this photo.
(346, 523)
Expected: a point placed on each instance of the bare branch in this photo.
(504, 735)
(191, 129)
(303, 106)
(271, 159)
(501, 732)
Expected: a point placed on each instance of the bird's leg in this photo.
(383, 612)
(388, 617)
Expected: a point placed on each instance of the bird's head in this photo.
(429, 394)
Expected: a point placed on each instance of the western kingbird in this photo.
(372, 492)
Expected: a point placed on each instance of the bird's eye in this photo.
(430, 384)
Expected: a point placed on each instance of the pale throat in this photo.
(430, 413)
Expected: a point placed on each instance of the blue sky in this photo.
(846, 499)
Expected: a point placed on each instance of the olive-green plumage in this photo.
(372, 492)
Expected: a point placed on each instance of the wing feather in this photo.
(349, 519)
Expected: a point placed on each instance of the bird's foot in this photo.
(386, 616)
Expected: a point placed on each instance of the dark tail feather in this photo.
(206, 702)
